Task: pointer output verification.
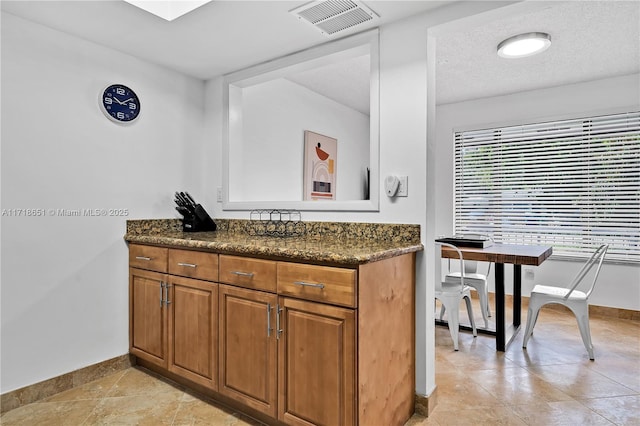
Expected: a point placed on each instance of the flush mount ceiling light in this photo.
(524, 45)
(168, 9)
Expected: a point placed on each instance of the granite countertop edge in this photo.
(269, 248)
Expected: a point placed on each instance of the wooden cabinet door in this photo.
(193, 330)
(147, 316)
(248, 347)
(316, 364)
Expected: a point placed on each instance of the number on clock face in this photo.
(120, 103)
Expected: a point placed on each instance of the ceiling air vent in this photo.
(333, 16)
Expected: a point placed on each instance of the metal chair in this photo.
(450, 294)
(476, 281)
(577, 301)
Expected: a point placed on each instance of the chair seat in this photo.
(449, 287)
(455, 277)
(558, 292)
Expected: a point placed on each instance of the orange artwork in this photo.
(320, 154)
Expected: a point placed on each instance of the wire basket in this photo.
(275, 223)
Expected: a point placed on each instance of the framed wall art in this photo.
(320, 161)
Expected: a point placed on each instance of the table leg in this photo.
(517, 295)
(500, 319)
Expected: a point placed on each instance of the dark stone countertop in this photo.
(332, 243)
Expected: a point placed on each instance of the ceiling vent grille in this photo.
(334, 16)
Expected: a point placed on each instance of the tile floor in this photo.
(551, 383)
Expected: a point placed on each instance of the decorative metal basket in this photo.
(275, 223)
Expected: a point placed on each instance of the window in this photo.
(572, 184)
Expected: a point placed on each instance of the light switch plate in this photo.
(219, 194)
(403, 189)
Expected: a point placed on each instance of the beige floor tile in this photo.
(563, 413)
(61, 413)
(476, 416)
(154, 409)
(139, 382)
(92, 390)
(579, 381)
(419, 420)
(516, 386)
(194, 411)
(623, 410)
(455, 390)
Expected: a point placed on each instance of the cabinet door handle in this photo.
(161, 293)
(166, 300)
(243, 274)
(278, 329)
(143, 258)
(268, 319)
(190, 265)
(318, 285)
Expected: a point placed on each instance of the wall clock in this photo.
(120, 104)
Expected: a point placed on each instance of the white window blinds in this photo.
(572, 184)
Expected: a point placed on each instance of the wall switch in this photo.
(403, 188)
(219, 194)
(529, 274)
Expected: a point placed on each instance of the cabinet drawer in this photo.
(319, 283)
(250, 273)
(148, 257)
(193, 264)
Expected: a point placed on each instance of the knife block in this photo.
(199, 221)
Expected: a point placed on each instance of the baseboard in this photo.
(595, 311)
(424, 405)
(47, 388)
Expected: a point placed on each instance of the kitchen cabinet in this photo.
(248, 348)
(147, 316)
(289, 342)
(174, 319)
(317, 371)
(193, 330)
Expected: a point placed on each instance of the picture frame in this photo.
(320, 165)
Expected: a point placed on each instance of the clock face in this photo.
(120, 103)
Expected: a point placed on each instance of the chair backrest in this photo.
(439, 246)
(596, 257)
(471, 266)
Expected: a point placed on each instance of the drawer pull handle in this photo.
(243, 274)
(143, 258)
(318, 285)
(190, 265)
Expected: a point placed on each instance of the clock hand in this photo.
(124, 102)
(116, 99)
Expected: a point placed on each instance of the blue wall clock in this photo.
(120, 104)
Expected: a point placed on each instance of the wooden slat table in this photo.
(500, 254)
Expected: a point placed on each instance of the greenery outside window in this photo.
(573, 184)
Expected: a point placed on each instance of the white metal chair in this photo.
(478, 282)
(450, 294)
(575, 300)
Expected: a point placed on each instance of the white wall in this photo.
(64, 280)
(269, 163)
(618, 285)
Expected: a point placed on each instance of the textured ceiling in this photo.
(590, 40)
